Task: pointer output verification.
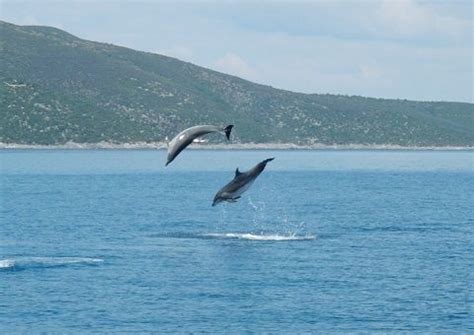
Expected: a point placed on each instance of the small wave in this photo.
(237, 236)
(45, 262)
(260, 237)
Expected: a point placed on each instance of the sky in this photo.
(406, 49)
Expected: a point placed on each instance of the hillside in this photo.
(55, 88)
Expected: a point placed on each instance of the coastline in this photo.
(224, 146)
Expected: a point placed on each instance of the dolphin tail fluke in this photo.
(227, 131)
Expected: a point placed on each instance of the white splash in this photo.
(261, 237)
(6, 264)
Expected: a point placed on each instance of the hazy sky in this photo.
(420, 50)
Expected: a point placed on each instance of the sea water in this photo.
(324, 241)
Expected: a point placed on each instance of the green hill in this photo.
(55, 88)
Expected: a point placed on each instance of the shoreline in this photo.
(223, 146)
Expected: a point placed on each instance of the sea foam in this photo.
(260, 237)
(6, 264)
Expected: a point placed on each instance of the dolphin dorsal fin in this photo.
(237, 172)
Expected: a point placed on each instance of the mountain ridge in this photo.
(89, 92)
(237, 77)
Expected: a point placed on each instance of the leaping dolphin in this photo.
(187, 136)
(241, 182)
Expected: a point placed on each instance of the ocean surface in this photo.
(325, 241)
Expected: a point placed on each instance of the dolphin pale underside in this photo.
(187, 136)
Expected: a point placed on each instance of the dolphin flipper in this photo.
(234, 199)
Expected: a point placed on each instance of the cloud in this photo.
(407, 18)
(232, 64)
(416, 49)
(375, 68)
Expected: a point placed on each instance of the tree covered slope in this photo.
(55, 88)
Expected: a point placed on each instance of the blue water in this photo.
(324, 241)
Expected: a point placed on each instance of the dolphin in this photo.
(187, 136)
(241, 182)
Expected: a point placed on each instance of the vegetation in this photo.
(55, 88)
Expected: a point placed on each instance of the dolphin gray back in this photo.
(197, 131)
(257, 169)
(187, 136)
(202, 130)
(241, 182)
